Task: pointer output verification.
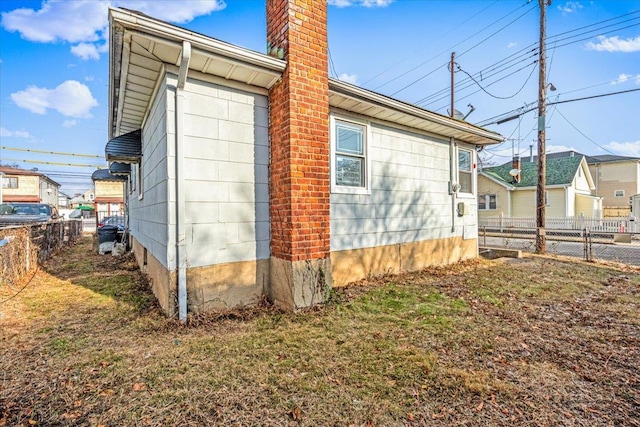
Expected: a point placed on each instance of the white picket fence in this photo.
(628, 224)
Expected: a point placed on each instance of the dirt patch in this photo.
(543, 342)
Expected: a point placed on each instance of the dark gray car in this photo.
(24, 213)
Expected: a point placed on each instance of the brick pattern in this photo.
(299, 131)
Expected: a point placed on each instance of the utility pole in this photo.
(453, 56)
(541, 237)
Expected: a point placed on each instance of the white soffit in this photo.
(141, 45)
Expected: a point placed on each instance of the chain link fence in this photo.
(23, 247)
(586, 244)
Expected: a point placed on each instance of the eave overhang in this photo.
(354, 99)
(141, 46)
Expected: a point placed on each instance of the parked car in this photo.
(116, 220)
(24, 213)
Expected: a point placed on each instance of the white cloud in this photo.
(6, 133)
(70, 21)
(365, 3)
(631, 149)
(84, 22)
(349, 78)
(86, 51)
(512, 45)
(570, 7)
(623, 78)
(615, 44)
(177, 12)
(71, 99)
(69, 123)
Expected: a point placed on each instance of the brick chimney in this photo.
(516, 166)
(299, 181)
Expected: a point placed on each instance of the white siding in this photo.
(148, 216)
(409, 199)
(226, 157)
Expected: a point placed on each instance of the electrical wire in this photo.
(21, 289)
(488, 85)
(527, 110)
(582, 133)
(551, 39)
(432, 41)
(333, 67)
(501, 97)
(461, 54)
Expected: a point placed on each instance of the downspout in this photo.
(181, 255)
(453, 185)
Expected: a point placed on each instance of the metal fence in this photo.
(22, 248)
(586, 244)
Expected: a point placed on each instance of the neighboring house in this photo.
(64, 201)
(252, 175)
(617, 179)
(109, 193)
(19, 185)
(85, 199)
(569, 189)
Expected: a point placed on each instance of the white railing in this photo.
(628, 224)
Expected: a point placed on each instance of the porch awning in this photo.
(120, 169)
(125, 148)
(105, 175)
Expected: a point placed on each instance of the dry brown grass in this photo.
(539, 342)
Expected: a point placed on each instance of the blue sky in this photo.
(54, 68)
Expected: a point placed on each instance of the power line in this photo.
(582, 133)
(466, 51)
(463, 84)
(432, 41)
(82, 165)
(29, 150)
(529, 109)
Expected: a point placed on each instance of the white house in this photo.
(257, 174)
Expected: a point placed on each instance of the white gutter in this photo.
(181, 255)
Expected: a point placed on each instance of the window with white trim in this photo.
(487, 202)
(349, 172)
(618, 193)
(465, 171)
(10, 182)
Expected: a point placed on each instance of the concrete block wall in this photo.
(409, 199)
(148, 215)
(226, 158)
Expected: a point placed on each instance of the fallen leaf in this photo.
(108, 392)
(33, 422)
(480, 406)
(411, 417)
(294, 414)
(139, 387)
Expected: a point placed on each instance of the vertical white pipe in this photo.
(180, 202)
(452, 182)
